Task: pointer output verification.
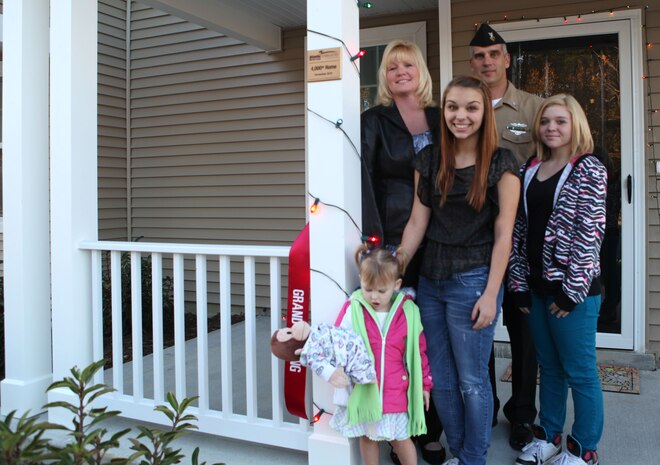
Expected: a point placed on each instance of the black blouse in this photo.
(459, 238)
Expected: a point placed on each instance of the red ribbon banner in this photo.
(295, 375)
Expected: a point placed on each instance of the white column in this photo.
(333, 170)
(73, 182)
(25, 212)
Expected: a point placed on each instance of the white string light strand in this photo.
(578, 16)
(338, 124)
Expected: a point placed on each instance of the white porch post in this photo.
(73, 173)
(25, 212)
(334, 177)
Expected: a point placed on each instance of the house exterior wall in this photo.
(112, 134)
(217, 141)
(652, 70)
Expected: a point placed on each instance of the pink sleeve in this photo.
(342, 314)
(426, 369)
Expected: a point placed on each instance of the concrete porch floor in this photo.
(631, 437)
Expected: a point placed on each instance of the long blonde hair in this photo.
(486, 146)
(581, 139)
(403, 50)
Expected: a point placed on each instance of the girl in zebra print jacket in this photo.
(554, 273)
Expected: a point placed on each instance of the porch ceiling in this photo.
(260, 22)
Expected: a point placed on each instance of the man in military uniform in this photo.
(514, 115)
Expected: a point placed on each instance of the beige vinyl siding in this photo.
(217, 135)
(653, 186)
(112, 124)
(217, 141)
(464, 17)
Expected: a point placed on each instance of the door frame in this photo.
(628, 25)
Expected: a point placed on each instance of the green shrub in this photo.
(88, 442)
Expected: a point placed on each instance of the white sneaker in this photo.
(566, 458)
(452, 461)
(538, 452)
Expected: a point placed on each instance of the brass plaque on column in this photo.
(324, 64)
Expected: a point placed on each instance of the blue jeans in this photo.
(566, 352)
(458, 356)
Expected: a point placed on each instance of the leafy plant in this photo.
(24, 444)
(88, 440)
(159, 451)
(88, 443)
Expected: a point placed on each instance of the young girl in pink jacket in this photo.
(392, 409)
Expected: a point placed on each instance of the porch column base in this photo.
(325, 449)
(24, 395)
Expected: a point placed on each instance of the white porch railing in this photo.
(218, 384)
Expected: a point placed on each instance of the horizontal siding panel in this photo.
(216, 138)
(224, 214)
(108, 101)
(111, 131)
(212, 236)
(230, 99)
(229, 125)
(226, 147)
(112, 143)
(241, 66)
(115, 70)
(115, 205)
(219, 171)
(207, 45)
(115, 41)
(115, 182)
(115, 89)
(116, 194)
(112, 8)
(256, 193)
(149, 25)
(176, 33)
(113, 27)
(115, 122)
(202, 160)
(238, 201)
(114, 112)
(229, 180)
(110, 54)
(224, 115)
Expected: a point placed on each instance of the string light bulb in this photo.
(565, 20)
(579, 18)
(315, 205)
(372, 241)
(358, 55)
(317, 417)
(367, 5)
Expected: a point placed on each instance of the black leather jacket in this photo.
(388, 175)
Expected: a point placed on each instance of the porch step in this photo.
(625, 358)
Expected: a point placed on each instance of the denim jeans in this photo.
(458, 356)
(566, 352)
